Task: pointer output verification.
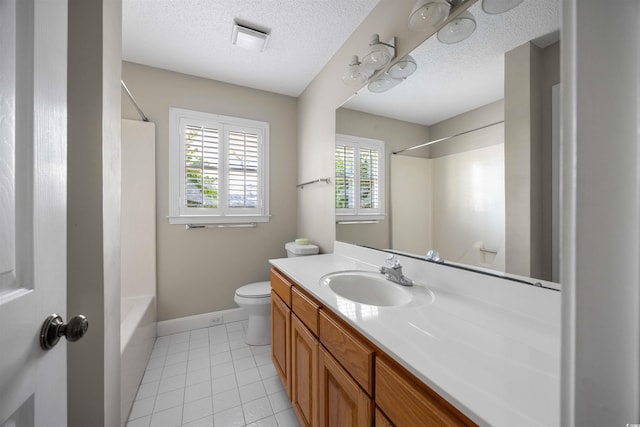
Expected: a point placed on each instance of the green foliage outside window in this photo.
(201, 174)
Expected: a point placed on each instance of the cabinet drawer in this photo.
(306, 309)
(281, 286)
(348, 349)
(407, 404)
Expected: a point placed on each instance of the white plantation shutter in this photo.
(202, 166)
(359, 178)
(219, 169)
(345, 177)
(369, 178)
(242, 161)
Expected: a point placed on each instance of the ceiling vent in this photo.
(248, 37)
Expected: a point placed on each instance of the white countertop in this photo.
(489, 346)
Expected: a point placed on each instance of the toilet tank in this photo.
(295, 249)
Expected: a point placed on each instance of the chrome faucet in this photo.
(434, 256)
(393, 271)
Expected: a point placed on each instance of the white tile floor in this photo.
(210, 377)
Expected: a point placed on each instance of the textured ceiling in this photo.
(452, 79)
(194, 37)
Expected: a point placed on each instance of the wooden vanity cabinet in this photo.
(381, 420)
(304, 373)
(281, 340)
(348, 349)
(408, 402)
(335, 377)
(304, 357)
(342, 401)
(281, 327)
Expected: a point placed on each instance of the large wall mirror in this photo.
(485, 194)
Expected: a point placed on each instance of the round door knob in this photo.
(54, 328)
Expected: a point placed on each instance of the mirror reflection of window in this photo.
(359, 178)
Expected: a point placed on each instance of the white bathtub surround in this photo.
(205, 320)
(137, 257)
(137, 337)
(489, 346)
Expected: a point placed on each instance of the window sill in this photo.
(359, 218)
(229, 219)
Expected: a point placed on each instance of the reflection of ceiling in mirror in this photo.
(455, 78)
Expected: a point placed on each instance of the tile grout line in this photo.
(185, 342)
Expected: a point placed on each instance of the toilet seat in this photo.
(255, 290)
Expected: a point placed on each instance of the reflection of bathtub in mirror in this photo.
(461, 201)
(481, 256)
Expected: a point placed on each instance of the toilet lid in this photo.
(255, 290)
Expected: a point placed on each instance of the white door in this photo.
(33, 116)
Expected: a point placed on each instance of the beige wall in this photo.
(397, 135)
(199, 270)
(93, 220)
(529, 74)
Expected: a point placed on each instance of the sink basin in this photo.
(367, 287)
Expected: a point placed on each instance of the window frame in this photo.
(179, 213)
(358, 213)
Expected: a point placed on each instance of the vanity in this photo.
(457, 348)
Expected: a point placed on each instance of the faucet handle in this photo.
(392, 261)
(434, 256)
(389, 260)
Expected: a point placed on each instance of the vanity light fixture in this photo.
(427, 14)
(458, 28)
(494, 7)
(355, 74)
(375, 67)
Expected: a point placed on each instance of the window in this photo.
(359, 178)
(218, 169)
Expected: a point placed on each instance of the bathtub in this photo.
(137, 336)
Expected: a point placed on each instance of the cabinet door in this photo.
(381, 420)
(281, 339)
(304, 373)
(342, 401)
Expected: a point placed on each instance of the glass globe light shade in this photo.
(403, 68)
(382, 83)
(355, 75)
(458, 29)
(427, 14)
(378, 55)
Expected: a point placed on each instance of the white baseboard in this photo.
(206, 320)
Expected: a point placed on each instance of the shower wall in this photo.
(138, 257)
(138, 222)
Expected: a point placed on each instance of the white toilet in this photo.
(256, 299)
